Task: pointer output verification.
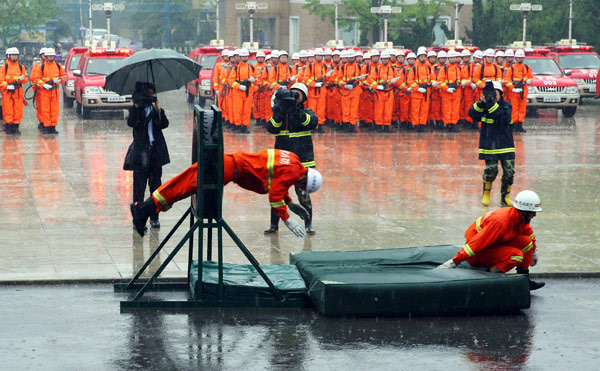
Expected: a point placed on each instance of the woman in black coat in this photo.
(148, 152)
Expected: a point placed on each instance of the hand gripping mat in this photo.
(402, 282)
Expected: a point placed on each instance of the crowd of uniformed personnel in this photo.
(374, 90)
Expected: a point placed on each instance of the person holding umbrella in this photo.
(148, 153)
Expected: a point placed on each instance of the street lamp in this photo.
(108, 8)
(384, 11)
(251, 6)
(525, 8)
(570, 18)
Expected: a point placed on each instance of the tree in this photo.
(18, 15)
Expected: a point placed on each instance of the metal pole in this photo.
(91, 28)
(385, 24)
(251, 27)
(570, 18)
(336, 22)
(217, 20)
(456, 24)
(108, 28)
(81, 35)
(524, 26)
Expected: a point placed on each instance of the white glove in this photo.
(329, 73)
(534, 258)
(362, 77)
(10, 87)
(56, 81)
(393, 81)
(434, 83)
(451, 90)
(447, 265)
(473, 86)
(517, 90)
(422, 90)
(47, 86)
(409, 90)
(22, 78)
(464, 83)
(295, 227)
(318, 84)
(251, 79)
(242, 87)
(529, 81)
(217, 93)
(349, 86)
(293, 78)
(380, 87)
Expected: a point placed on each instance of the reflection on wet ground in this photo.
(64, 200)
(559, 332)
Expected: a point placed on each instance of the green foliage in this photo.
(17, 15)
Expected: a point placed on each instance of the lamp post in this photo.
(384, 11)
(108, 8)
(570, 18)
(525, 8)
(336, 2)
(251, 7)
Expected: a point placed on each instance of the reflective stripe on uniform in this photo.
(275, 123)
(468, 250)
(270, 167)
(282, 133)
(478, 224)
(278, 204)
(299, 134)
(487, 120)
(306, 121)
(309, 164)
(528, 247)
(494, 107)
(163, 203)
(495, 151)
(476, 108)
(516, 258)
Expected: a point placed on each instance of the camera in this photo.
(286, 100)
(489, 93)
(143, 100)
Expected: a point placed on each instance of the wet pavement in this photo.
(64, 200)
(79, 327)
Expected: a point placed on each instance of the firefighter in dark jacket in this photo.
(495, 140)
(148, 153)
(292, 124)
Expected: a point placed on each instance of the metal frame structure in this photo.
(201, 217)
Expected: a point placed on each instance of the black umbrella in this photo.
(165, 68)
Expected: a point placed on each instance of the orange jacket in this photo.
(313, 72)
(420, 73)
(260, 69)
(280, 73)
(448, 75)
(494, 229)
(382, 74)
(241, 72)
(12, 72)
(347, 72)
(486, 71)
(518, 72)
(219, 76)
(269, 171)
(46, 73)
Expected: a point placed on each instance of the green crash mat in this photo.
(402, 282)
(242, 282)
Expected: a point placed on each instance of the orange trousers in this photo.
(12, 106)
(419, 108)
(350, 103)
(451, 107)
(316, 102)
(519, 105)
(466, 103)
(384, 107)
(504, 256)
(435, 108)
(266, 102)
(397, 105)
(367, 108)
(49, 106)
(242, 108)
(405, 107)
(334, 105)
(228, 106)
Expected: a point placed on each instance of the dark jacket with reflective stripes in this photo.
(293, 133)
(495, 137)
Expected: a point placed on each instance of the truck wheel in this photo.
(201, 101)
(87, 113)
(78, 108)
(569, 111)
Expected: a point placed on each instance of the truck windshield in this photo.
(579, 61)
(74, 62)
(208, 61)
(101, 66)
(543, 66)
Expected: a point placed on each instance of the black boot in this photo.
(386, 129)
(533, 285)
(141, 212)
(16, 129)
(3, 127)
(154, 223)
(308, 224)
(351, 128)
(320, 129)
(274, 223)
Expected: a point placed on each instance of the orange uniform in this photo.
(314, 78)
(219, 82)
(242, 100)
(450, 77)
(498, 238)
(334, 101)
(404, 96)
(348, 75)
(486, 71)
(258, 105)
(47, 74)
(381, 76)
(12, 100)
(366, 110)
(517, 75)
(419, 75)
(280, 75)
(435, 107)
(469, 94)
(270, 171)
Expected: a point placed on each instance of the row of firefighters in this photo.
(46, 78)
(375, 89)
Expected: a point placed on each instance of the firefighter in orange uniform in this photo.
(241, 80)
(487, 71)
(48, 79)
(383, 79)
(449, 77)
(270, 171)
(405, 93)
(36, 95)
(219, 79)
(265, 83)
(314, 77)
(419, 81)
(258, 106)
(517, 77)
(333, 112)
(367, 106)
(503, 239)
(436, 118)
(12, 77)
(467, 92)
(281, 74)
(349, 78)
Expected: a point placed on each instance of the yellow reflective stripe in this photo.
(307, 120)
(487, 120)
(46, 79)
(282, 133)
(495, 151)
(476, 107)
(309, 164)
(528, 247)
(532, 236)
(468, 250)
(270, 166)
(300, 134)
(516, 258)
(278, 204)
(157, 196)
(494, 107)
(275, 123)
(478, 224)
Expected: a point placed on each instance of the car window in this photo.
(579, 61)
(101, 66)
(543, 66)
(196, 57)
(208, 61)
(74, 62)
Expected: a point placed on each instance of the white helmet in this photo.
(302, 53)
(296, 56)
(244, 52)
(509, 53)
(359, 54)
(421, 50)
(328, 51)
(235, 52)
(260, 53)
(528, 201)
(314, 180)
(319, 51)
(385, 54)
(283, 52)
(442, 54)
(225, 53)
(300, 86)
(520, 53)
(50, 52)
(337, 52)
(453, 53)
(367, 55)
(399, 53)
(275, 53)
(465, 53)
(411, 55)
(43, 51)
(431, 53)
(310, 53)
(269, 56)
(478, 54)
(374, 53)
(351, 53)
(12, 51)
(497, 85)
(499, 53)
(489, 53)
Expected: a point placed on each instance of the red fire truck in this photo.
(582, 64)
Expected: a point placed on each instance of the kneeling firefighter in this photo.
(292, 124)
